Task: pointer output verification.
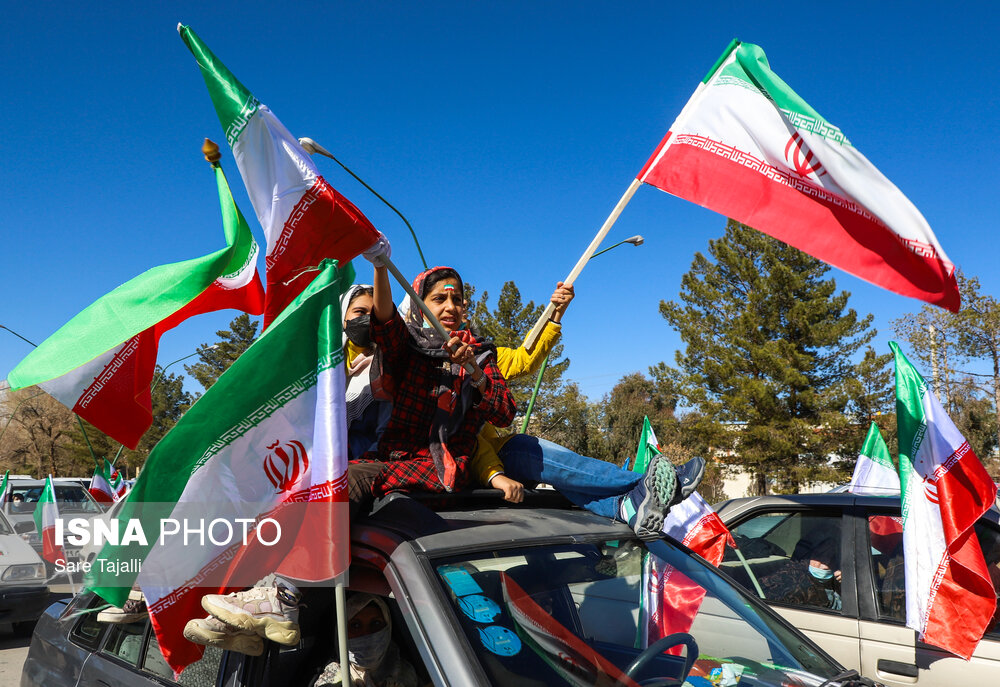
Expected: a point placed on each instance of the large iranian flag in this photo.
(46, 514)
(267, 441)
(101, 363)
(874, 473)
(304, 219)
(747, 146)
(945, 489)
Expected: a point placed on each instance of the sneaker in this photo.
(646, 505)
(271, 612)
(133, 611)
(689, 477)
(211, 631)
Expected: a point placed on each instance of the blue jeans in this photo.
(589, 483)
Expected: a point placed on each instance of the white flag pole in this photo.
(529, 341)
(345, 659)
(419, 302)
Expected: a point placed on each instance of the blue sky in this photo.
(505, 132)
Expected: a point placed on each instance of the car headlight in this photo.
(21, 573)
(32, 538)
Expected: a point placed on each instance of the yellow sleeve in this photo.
(516, 362)
(485, 462)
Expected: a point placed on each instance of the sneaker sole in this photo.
(661, 490)
(121, 618)
(283, 632)
(251, 645)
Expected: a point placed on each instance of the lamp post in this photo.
(636, 240)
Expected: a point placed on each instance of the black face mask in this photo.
(359, 331)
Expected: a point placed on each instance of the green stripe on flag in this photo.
(875, 448)
(733, 44)
(911, 422)
(234, 104)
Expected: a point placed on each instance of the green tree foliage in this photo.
(767, 358)
(506, 325)
(632, 399)
(216, 358)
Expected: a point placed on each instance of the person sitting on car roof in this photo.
(367, 416)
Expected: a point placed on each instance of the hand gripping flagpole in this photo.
(394, 271)
(529, 341)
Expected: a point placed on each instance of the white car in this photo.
(23, 594)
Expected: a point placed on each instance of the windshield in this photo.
(592, 614)
(69, 497)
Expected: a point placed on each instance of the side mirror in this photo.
(25, 527)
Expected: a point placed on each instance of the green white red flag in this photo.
(101, 363)
(304, 219)
(100, 485)
(4, 487)
(747, 146)
(874, 473)
(267, 440)
(648, 447)
(950, 599)
(46, 514)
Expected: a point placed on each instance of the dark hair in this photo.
(361, 291)
(443, 274)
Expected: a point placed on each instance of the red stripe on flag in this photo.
(50, 551)
(324, 224)
(805, 217)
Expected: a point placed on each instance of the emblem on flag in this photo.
(285, 464)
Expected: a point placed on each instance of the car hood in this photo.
(16, 551)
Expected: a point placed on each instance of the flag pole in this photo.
(345, 659)
(529, 341)
(394, 271)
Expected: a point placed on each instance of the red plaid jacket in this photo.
(404, 445)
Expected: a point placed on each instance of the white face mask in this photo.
(368, 651)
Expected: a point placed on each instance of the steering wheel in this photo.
(657, 648)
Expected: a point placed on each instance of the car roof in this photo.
(478, 520)
(732, 507)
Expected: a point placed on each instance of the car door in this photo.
(775, 545)
(890, 651)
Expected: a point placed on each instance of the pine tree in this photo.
(767, 358)
(216, 358)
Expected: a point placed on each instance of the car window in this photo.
(583, 613)
(885, 539)
(989, 540)
(125, 641)
(789, 558)
(71, 498)
(202, 673)
(87, 631)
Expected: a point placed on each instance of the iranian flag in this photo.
(46, 514)
(648, 447)
(100, 485)
(4, 487)
(670, 599)
(101, 363)
(945, 489)
(874, 473)
(747, 146)
(267, 443)
(116, 480)
(304, 219)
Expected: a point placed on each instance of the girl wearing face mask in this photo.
(366, 415)
(375, 658)
(442, 391)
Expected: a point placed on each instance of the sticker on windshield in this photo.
(500, 640)
(459, 581)
(479, 608)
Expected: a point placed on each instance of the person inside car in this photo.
(811, 577)
(375, 660)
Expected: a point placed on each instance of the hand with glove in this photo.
(379, 249)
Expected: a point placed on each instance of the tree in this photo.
(39, 429)
(979, 338)
(216, 358)
(632, 399)
(768, 349)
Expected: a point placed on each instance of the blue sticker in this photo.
(500, 640)
(459, 581)
(479, 608)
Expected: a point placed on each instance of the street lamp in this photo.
(636, 240)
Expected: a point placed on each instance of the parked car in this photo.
(481, 593)
(23, 594)
(73, 500)
(863, 625)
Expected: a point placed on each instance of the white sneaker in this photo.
(211, 631)
(271, 612)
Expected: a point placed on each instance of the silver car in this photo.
(858, 613)
(484, 593)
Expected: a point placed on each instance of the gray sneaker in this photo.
(211, 631)
(271, 612)
(133, 611)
